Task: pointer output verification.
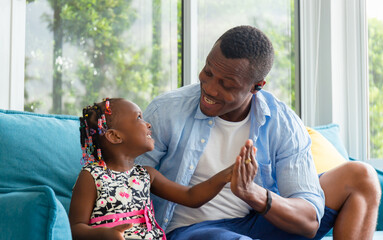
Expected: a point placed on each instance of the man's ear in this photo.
(258, 86)
(113, 136)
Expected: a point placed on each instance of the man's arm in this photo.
(292, 215)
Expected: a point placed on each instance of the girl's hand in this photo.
(244, 171)
(121, 228)
(117, 232)
(227, 173)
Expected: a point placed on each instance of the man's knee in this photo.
(353, 178)
(363, 179)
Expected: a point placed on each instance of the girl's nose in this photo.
(148, 124)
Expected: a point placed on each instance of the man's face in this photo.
(226, 86)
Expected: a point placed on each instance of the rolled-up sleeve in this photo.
(295, 170)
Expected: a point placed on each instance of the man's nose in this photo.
(210, 87)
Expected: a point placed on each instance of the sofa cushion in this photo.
(332, 133)
(39, 149)
(325, 155)
(32, 213)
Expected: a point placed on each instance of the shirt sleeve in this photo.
(295, 169)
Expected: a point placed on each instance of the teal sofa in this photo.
(39, 161)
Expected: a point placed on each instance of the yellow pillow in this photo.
(324, 153)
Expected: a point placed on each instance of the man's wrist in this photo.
(269, 201)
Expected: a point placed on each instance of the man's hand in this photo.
(244, 172)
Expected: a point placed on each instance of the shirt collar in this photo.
(199, 114)
(260, 108)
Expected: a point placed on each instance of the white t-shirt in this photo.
(225, 141)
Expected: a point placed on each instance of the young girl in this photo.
(111, 198)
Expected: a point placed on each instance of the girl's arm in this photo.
(81, 207)
(194, 196)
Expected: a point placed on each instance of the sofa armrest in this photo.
(32, 213)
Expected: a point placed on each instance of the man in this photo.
(199, 129)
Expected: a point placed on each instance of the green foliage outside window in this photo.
(375, 58)
(282, 75)
(105, 62)
(93, 36)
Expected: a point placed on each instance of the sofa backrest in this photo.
(40, 149)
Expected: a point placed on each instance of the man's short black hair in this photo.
(250, 43)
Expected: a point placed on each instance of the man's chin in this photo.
(207, 112)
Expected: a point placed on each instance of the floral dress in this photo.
(124, 197)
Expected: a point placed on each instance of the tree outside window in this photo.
(375, 64)
(79, 51)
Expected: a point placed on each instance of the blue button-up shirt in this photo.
(181, 132)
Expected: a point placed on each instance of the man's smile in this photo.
(208, 100)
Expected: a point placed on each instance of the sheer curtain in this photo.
(334, 69)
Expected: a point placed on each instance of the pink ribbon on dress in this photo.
(118, 216)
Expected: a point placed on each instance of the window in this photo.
(77, 52)
(375, 65)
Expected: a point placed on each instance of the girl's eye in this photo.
(139, 117)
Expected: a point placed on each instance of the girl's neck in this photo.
(119, 165)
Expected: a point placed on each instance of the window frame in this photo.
(190, 41)
(12, 54)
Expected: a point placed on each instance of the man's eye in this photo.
(208, 74)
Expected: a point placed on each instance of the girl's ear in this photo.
(113, 136)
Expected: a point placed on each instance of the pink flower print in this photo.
(111, 199)
(101, 202)
(106, 177)
(98, 184)
(123, 194)
(136, 183)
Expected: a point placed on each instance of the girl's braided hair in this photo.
(93, 125)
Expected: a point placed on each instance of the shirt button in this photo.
(166, 220)
(202, 140)
(191, 167)
(210, 122)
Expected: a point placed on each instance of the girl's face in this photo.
(135, 132)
